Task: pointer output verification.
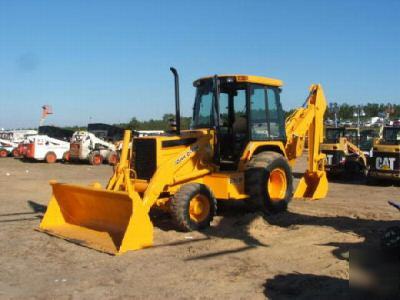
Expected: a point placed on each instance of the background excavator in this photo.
(385, 160)
(342, 149)
(239, 147)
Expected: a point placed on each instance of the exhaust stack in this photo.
(177, 101)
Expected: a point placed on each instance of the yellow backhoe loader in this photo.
(343, 153)
(238, 148)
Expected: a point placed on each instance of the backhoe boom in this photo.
(309, 119)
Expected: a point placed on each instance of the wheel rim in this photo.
(199, 208)
(277, 184)
(15, 153)
(3, 153)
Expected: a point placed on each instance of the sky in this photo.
(108, 61)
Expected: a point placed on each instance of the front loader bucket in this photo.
(97, 218)
(312, 185)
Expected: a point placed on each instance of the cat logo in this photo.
(385, 163)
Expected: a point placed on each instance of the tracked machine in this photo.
(239, 148)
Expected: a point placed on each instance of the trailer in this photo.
(16, 136)
(56, 132)
(106, 132)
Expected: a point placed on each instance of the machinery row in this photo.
(369, 153)
(98, 144)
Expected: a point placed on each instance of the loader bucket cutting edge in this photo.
(97, 218)
(313, 185)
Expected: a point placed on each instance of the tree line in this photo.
(344, 111)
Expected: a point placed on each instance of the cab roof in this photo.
(248, 78)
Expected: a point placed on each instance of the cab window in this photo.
(266, 114)
(259, 126)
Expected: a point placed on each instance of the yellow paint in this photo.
(253, 146)
(251, 79)
(277, 184)
(199, 208)
(226, 185)
(309, 120)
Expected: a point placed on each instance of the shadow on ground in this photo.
(37, 211)
(236, 219)
(306, 286)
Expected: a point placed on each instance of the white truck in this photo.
(16, 136)
(45, 148)
(86, 146)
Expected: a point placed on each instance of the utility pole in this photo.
(335, 109)
(359, 113)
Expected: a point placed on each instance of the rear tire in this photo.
(113, 158)
(95, 159)
(50, 157)
(15, 153)
(193, 207)
(269, 182)
(3, 153)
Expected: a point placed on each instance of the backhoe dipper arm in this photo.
(308, 119)
(351, 148)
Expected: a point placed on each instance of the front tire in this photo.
(113, 158)
(51, 157)
(95, 158)
(193, 207)
(269, 182)
(3, 153)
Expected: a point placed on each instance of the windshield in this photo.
(232, 104)
(351, 135)
(367, 139)
(203, 109)
(391, 135)
(332, 135)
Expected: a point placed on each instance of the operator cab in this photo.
(367, 137)
(332, 135)
(241, 109)
(391, 136)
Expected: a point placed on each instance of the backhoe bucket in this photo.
(97, 218)
(312, 185)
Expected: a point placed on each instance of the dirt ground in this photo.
(302, 253)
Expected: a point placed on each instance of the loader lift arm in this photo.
(308, 119)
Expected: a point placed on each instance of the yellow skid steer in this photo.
(239, 147)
